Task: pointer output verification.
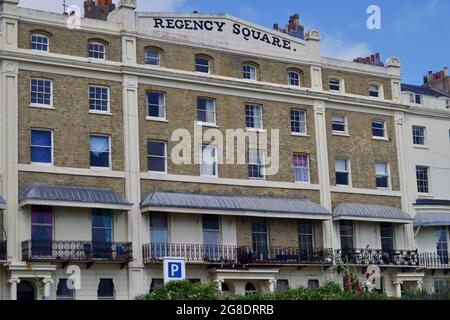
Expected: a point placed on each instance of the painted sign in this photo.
(174, 269)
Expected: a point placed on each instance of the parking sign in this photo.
(174, 269)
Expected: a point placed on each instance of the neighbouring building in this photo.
(93, 176)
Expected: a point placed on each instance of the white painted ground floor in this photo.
(112, 281)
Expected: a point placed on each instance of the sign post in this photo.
(174, 269)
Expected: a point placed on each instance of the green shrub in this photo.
(183, 290)
(424, 295)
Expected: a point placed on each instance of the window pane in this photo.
(334, 85)
(341, 165)
(373, 91)
(99, 151)
(98, 98)
(63, 292)
(39, 42)
(105, 289)
(157, 148)
(338, 123)
(387, 236)
(298, 121)
(208, 161)
(378, 129)
(156, 104)
(422, 179)
(211, 222)
(418, 135)
(253, 116)
(249, 72)
(96, 50)
(201, 65)
(255, 164)
(206, 109)
(301, 167)
(346, 234)
(40, 92)
(152, 57)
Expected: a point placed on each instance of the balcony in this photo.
(432, 260)
(2, 250)
(194, 253)
(284, 255)
(82, 251)
(378, 257)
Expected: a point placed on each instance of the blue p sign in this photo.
(175, 270)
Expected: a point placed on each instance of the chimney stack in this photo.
(293, 28)
(99, 9)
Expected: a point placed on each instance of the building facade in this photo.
(115, 150)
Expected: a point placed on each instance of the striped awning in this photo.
(370, 212)
(432, 219)
(160, 200)
(2, 203)
(73, 196)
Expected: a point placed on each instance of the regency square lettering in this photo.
(211, 25)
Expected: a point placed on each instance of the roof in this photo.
(72, 196)
(2, 203)
(427, 219)
(370, 212)
(432, 202)
(234, 203)
(423, 90)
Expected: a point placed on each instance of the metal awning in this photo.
(73, 196)
(2, 203)
(186, 202)
(432, 219)
(370, 212)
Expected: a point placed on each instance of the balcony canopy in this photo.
(2, 203)
(201, 203)
(73, 196)
(370, 212)
(432, 219)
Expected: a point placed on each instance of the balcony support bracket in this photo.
(89, 264)
(64, 264)
(123, 265)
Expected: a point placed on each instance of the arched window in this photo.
(249, 71)
(96, 50)
(153, 56)
(374, 90)
(250, 289)
(294, 78)
(203, 64)
(39, 42)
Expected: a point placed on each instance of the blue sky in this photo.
(417, 31)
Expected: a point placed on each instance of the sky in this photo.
(416, 31)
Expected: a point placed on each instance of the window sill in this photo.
(156, 119)
(380, 138)
(257, 179)
(102, 113)
(384, 189)
(41, 106)
(341, 134)
(206, 124)
(42, 164)
(420, 146)
(93, 60)
(157, 172)
(98, 169)
(302, 182)
(425, 195)
(256, 130)
(296, 134)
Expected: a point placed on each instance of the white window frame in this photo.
(216, 166)
(51, 147)
(425, 138)
(205, 58)
(99, 44)
(299, 167)
(349, 172)
(385, 137)
(159, 58)
(206, 124)
(340, 133)
(380, 89)
(249, 72)
(110, 152)
(147, 104)
(341, 84)
(262, 154)
(153, 156)
(306, 122)
(43, 36)
(388, 175)
(262, 123)
(108, 111)
(38, 105)
(299, 79)
(429, 180)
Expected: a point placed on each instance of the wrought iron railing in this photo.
(38, 250)
(433, 260)
(284, 255)
(191, 252)
(2, 250)
(377, 257)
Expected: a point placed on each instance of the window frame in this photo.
(110, 151)
(98, 43)
(160, 157)
(348, 172)
(108, 90)
(308, 160)
(309, 234)
(379, 90)
(387, 175)
(424, 129)
(338, 132)
(37, 34)
(217, 231)
(51, 225)
(166, 230)
(216, 164)
(300, 122)
(391, 237)
(51, 147)
(261, 156)
(341, 84)
(65, 298)
(39, 105)
(244, 71)
(428, 181)
(299, 78)
(206, 58)
(114, 290)
(385, 135)
(254, 117)
(346, 224)
(148, 105)
(202, 123)
(159, 59)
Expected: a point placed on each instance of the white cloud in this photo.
(334, 47)
(56, 5)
